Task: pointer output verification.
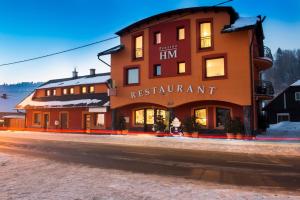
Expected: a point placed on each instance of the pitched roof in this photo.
(242, 23)
(112, 50)
(80, 80)
(297, 83)
(233, 15)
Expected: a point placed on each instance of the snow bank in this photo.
(79, 81)
(28, 101)
(291, 129)
(242, 22)
(29, 178)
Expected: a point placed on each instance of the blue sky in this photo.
(31, 28)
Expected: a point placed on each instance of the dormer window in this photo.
(71, 90)
(65, 91)
(54, 92)
(83, 90)
(48, 93)
(138, 47)
(91, 89)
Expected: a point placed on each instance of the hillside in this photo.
(15, 94)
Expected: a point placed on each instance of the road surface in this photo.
(265, 172)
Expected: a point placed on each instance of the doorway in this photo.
(46, 121)
(63, 120)
(87, 121)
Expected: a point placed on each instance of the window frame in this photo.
(198, 31)
(207, 117)
(86, 90)
(48, 94)
(177, 33)
(297, 93)
(185, 71)
(67, 89)
(154, 70)
(40, 118)
(155, 38)
(133, 43)
(125, 75)
(70, 89)
(211, 57)
(89, 90)
(215, 115)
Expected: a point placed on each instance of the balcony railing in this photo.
(268, 53)
(264, 88)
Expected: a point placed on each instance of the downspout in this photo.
(252, 82)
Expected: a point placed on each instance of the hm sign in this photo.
(168, 52)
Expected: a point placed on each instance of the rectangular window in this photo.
(91, 89)
(138, 46)
(37, 118)
(201, 116)
(214, 67)
(99, 120)
(157, 70)
(150, 116)
(139, 117)
(132, 75)
(71, 90)
(83, 90)
(157, 38)
(221, 116)
(180, 33)
(54, 92)
(181, 68)
(65, 91)
(48, 93)
(205, 35)
(297, 96)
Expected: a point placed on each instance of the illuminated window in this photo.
(83, 90)
(65, 91)
(162, 113)
(139, 47)
(157, 38)
(297, 96)
(91, 89)
(37, 118)
(181, 68)
(205, 35)
(132, 75)
(99, 120)
(150, 116)
(214, 67)
(71, 90)
(221, 115)
(139, 117)
(157, 70)
(181, 33)
(201, 116)
(54, 92)
(48, 93)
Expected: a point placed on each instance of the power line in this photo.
(60, 52)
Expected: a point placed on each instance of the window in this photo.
(157, 70)
(71, 90)
(83, 90)
(150, 116)
(157, 38)
(205, 35)
(132, 76)
(181, 68)
(139, 117)
(99, 120)
(281, 117)
(65, 91)
(54, 92)
(91, 89)
(37, 118)
(297, 96)
(221, 116)
(201, 116)
(214, 67)
(180, 33)
(138, 46)
(48, 93)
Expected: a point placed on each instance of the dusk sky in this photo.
(32, 28)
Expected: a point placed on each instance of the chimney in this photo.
(75, 73)
(92, 72)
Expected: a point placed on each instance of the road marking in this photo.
(258, 163)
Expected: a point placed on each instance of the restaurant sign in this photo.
(189, 89)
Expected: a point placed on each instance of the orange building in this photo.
(76, 103)
(203, 61)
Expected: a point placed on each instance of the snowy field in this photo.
(28, 178)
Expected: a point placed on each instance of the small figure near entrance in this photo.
(175, 128)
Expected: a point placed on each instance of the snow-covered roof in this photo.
(297, 83)
(14, 117)
(85, 80)
(31, 102)
(242, 23)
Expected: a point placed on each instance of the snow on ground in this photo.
(223, 145)
(28, 178)
(288, 129)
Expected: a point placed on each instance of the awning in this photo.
(111, 50)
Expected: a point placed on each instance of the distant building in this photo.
(12, 120)
(79, 103)
(286, 106)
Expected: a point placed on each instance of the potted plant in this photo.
(188, 126)
(228, 127)
(240, 129)
(159, 124)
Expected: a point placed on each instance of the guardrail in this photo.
(264, 88)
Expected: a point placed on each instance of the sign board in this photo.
(98, 110)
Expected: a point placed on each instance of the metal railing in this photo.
(264, 88)
(268, 53)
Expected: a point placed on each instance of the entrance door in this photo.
(87, 121)
(63, 120)
(46, 121)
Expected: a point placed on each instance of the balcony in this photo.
(264, 90)
(263, 58)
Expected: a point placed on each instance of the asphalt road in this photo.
(265, 172)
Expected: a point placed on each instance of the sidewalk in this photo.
(222, 145)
